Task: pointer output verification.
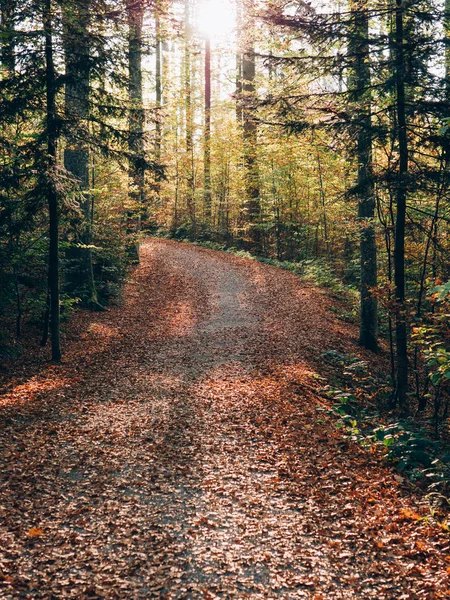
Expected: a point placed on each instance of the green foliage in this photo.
(432, 335)
(402, 443)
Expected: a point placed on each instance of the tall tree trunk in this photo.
(399, 248)
(52, 196)
(239, 114)
(158, 87)
(250, 135)
(360, 82)
(7, 45)
(207, 137)
(447, 51)
(136, 146)
(76, 153)
(190, 199)
(158, 98)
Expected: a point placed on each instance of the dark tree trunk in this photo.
(447, 49)
(158, 88)
(360, 88)
(399, 248)
(159, 101)
(135, 13)
(52, 196)
(8, 59)
(252, 205)
(76, 153)
(207, 138)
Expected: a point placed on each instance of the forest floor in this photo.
(179, 451)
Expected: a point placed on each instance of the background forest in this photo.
(314, 135)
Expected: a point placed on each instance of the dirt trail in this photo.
(180, 452)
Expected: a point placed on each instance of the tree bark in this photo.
(239, 114)
(447, 50)
(7, 13)
(52, 196)
(190, 198)
(136, 146)
(158, 88)
(360, 82)
(76, 153)
(207, 137)
(252, 205)
(401, 195)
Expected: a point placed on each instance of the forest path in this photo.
(180, 451)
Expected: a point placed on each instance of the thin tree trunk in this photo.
(135, 13)
(324, 207)
(45, 322)
(399, 248)
(52, 196)
(239, 113)
(158, 98)
(7, 44)
(447, 51)
(190, 199)
(207, 138)
(252, 205)
(158, 90)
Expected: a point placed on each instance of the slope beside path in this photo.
(178, 453)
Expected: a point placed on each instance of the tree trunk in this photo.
(190, 198)
(136, 121)
(239, 114)
(207, 138)
(158, 88)
(399, 248)
(447, 50)
(76, 153)
(360, 89)
(8, 59)
(52, 196)
(250, 136)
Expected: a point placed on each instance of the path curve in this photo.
(182, 451)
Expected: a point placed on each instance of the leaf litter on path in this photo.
(178, 453)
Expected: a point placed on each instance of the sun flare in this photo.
(216, 18)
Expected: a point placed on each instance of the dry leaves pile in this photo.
(178, 453)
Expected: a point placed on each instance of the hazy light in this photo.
(216, 18)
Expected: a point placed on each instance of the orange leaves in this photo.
(35, 532)
(409, 515)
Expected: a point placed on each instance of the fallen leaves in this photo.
(35, 532)
(178, 453)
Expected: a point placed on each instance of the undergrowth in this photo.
(402, 442)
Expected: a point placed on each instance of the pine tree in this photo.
(360, 95)
(76, 151)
